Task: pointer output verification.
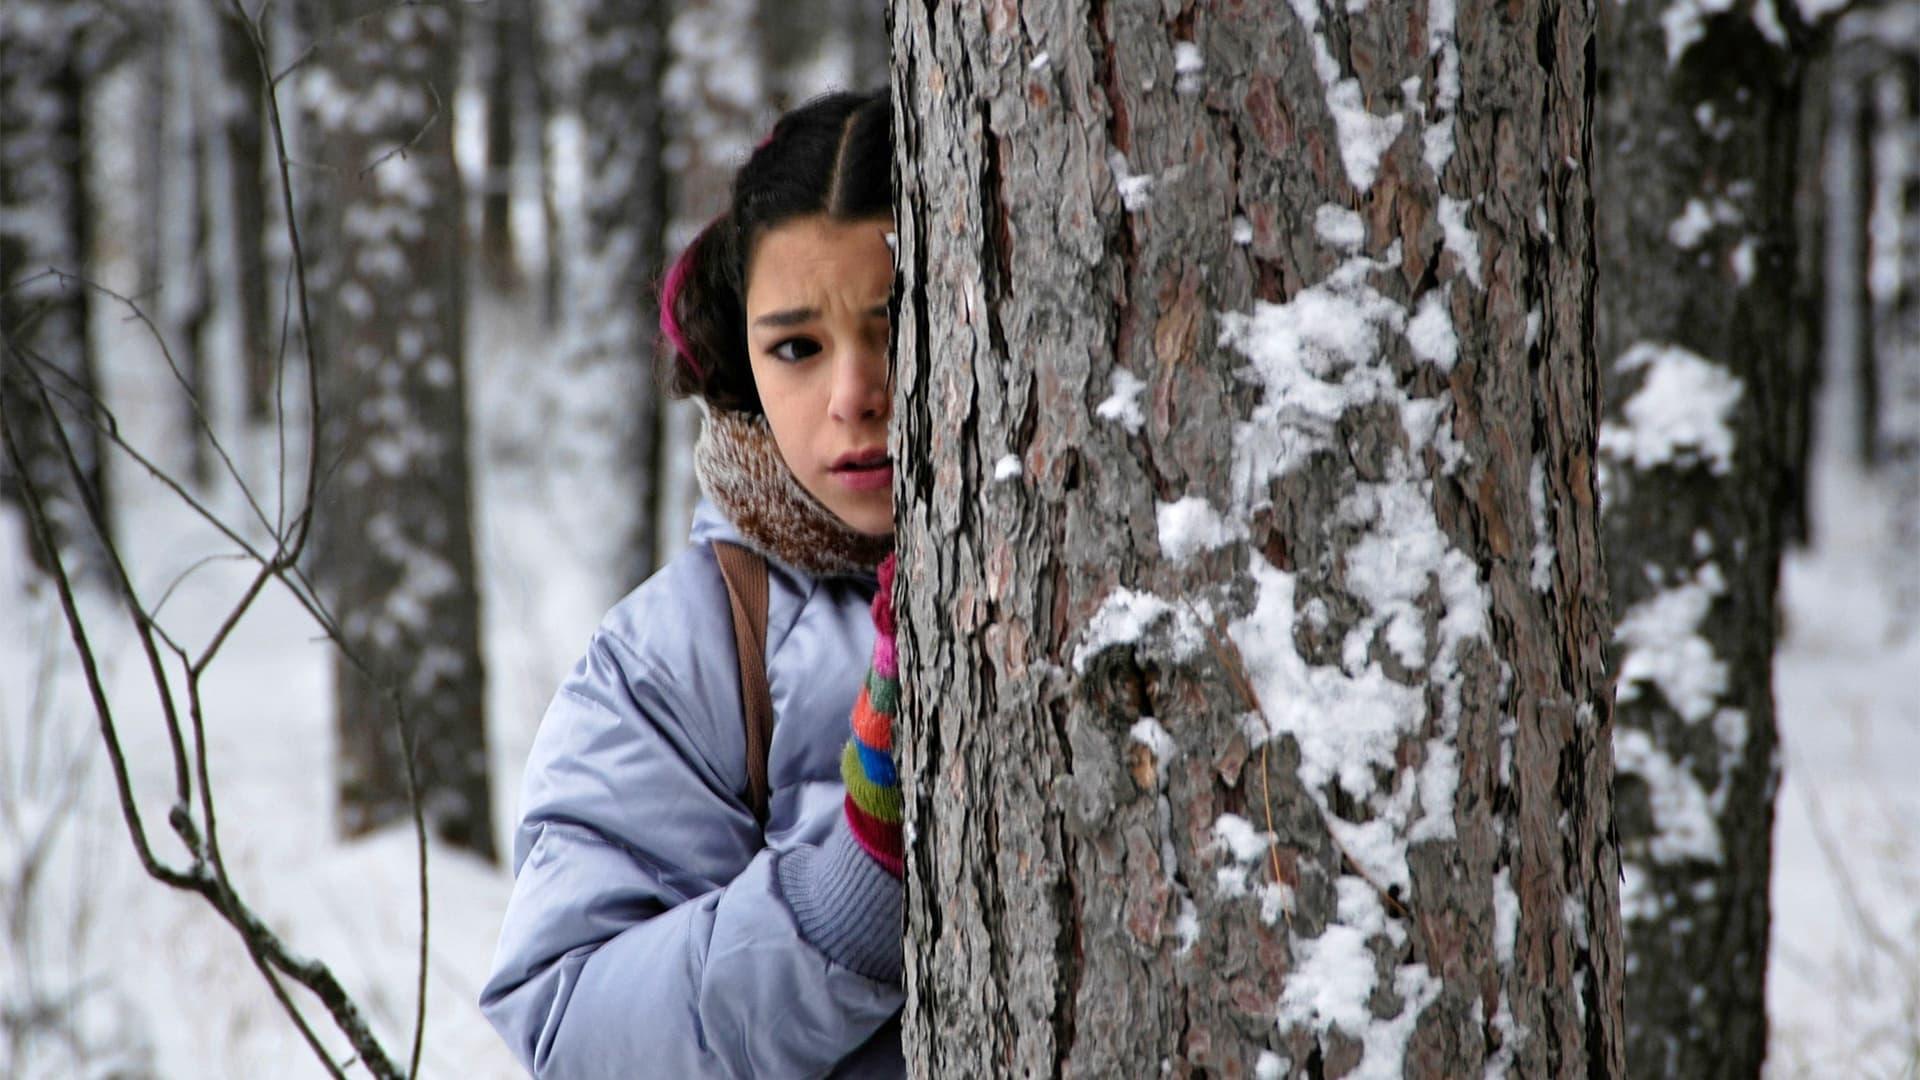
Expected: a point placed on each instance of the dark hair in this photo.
(833, 156)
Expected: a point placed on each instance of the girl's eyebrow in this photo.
(789, 317)
(882, 310)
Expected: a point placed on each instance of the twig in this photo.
(401, 150)
(138, 314)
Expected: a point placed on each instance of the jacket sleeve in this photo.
(649, 932)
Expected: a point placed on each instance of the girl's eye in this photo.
(794, 350)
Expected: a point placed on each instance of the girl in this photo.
(663, 922)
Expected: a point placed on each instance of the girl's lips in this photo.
(871, 479)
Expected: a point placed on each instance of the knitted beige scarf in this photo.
(740, 468)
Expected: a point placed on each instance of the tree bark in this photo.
(396, 549)
(1254, 711)
(45, 242)
(1698, 135)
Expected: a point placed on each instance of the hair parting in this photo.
(832, 156)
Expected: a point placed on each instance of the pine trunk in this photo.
(44, 247)
(395, 515)
(1696, 171)
(1255, 719)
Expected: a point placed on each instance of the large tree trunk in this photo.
(396, 547)
(1305, 294)
(1697, 130)
(622, 241)
(44, 247)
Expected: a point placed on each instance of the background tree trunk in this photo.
(1893, 285)
(622, 248)
(396, 550)
(1305, 295)
(44, 234)
(186, 296)
(508, 27)
(1706, 405)
(242, 128)
(716, 110)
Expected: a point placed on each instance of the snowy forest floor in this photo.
(161, 985)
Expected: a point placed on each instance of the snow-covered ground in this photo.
(158, 976)
(1843, 987)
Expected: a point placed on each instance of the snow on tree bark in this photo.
(43, 236)
(1245, 360)
(1695, 174)
(394, 525)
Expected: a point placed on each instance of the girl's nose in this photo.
(860, 390)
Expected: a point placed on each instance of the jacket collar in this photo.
(740, 469)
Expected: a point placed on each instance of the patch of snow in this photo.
(1148, 733)
(1684, 22)
(1124, 618)
(1506, 916)
(1122, 405)
(1316, 356)
(1186, 926)
(1192, 525)
(1679, 415)
(1188, 63)
(1741, 261)
(1334, 979)
(1541, 575)
(1242, 230)
(1459, 238)
(1766, 18)
(1664, 648)
(1039, 62)
(1239, 836)
(1339, 227)
(1430, 331)
(1684, 823)
(1136, 191)
(1006, 468)
(1363, 136)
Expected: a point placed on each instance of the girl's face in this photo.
(817, 335)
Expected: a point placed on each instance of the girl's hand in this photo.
(873, 785)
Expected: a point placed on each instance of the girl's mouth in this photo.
(866, 477)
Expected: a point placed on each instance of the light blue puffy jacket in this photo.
(653, 930)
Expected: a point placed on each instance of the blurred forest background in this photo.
(462, 210)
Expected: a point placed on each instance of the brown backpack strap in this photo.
(745, 572)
